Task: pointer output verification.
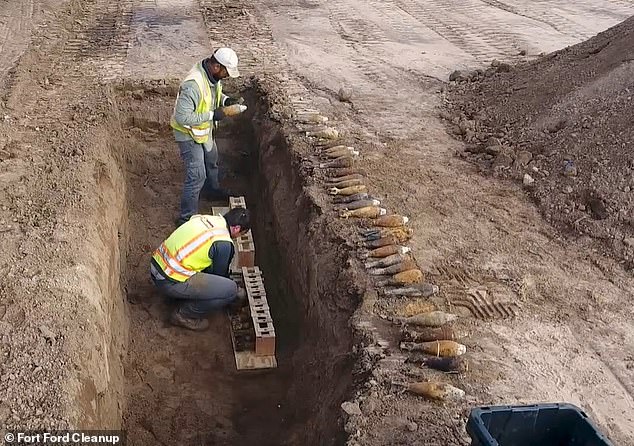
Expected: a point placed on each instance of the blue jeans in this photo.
(199, 295)
(201, 170)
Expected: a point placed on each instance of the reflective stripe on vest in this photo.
(186, 251)
(200, 133)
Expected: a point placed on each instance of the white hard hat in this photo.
(229, 59)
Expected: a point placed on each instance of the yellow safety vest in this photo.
(186, 250)
(201, 132)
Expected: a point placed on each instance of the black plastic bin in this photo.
(534, 425)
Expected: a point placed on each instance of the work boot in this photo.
(176, 318)
(180, 220)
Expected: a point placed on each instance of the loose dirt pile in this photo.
(563, 126)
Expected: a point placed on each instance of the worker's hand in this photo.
(241, 294)
(233, 101)
(241, 298)
(219, 114)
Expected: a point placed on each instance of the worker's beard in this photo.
(206, 64)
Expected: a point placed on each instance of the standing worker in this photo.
(192, 266)
(200, 104)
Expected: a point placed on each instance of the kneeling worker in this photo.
(192, 266)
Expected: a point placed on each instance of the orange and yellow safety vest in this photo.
(186, 250)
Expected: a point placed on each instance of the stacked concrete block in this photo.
(245, 247)
(237, 202)
(260, 313)
(246, 250)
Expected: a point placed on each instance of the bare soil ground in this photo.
(564, 120)
(75, 226)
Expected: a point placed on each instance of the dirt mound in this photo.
(563, 126)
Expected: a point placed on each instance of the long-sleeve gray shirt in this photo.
(185, 109)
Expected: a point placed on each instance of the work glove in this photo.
(219, 114)
(233, 101)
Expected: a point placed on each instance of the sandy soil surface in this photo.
(572, 339)
(569, 113)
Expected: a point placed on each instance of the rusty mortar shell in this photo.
(393, 220)
(400, 267)
(233, 110)
(330, 153)
(442, 348)
(401, 231)
(379, 242)
(343, 199)
(346, 183)
(343, 161)
(403, 278)
(435, 391)
(365, 212)
(325, 133)
(427, 334)
(347, 190)
(334, 148)
(354, 176)
(357, 204)
(342, 171)
(312, 118)
(387, 261)
(416, 290)
(414, 307)
(431, 319)
(385, 251)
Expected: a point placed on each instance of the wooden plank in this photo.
(247, 359)
(219, 210)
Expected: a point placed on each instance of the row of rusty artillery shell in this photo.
(391, 258)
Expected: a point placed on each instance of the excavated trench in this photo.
(182, 387)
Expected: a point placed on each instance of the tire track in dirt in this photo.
(166, 38)
(357, 36)
(398, 26)
(365, 39)
(365, 33)
(257, 49)
(102, 39)
(352, 27)
(627, 5)
(252, 38)
(547, 352)
(547, 14)
(478, 34)
(15, 26)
